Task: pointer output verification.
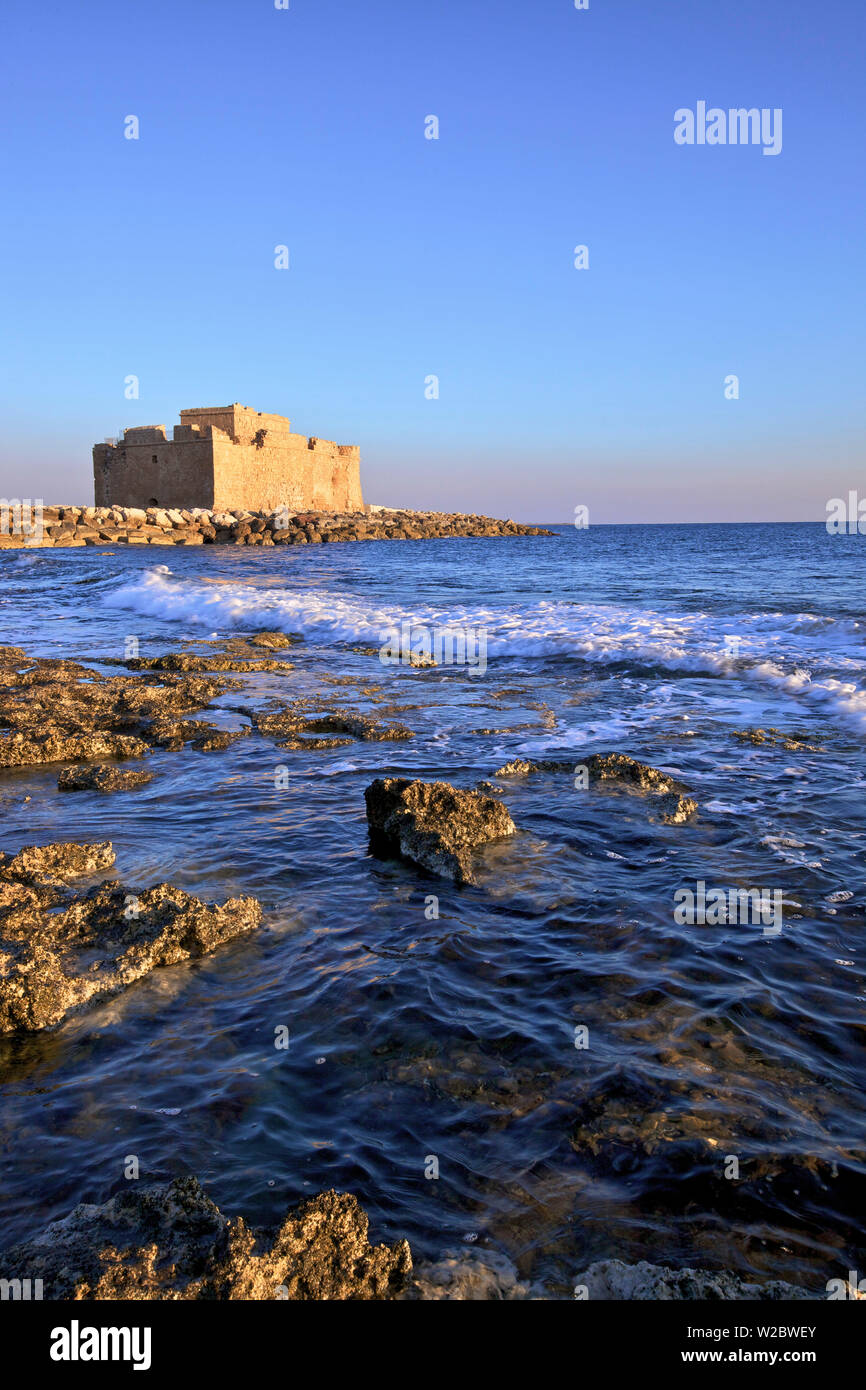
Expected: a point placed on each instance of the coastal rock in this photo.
(463, 1276)
(293, 728)
(187, 661)
(92, 947)
(56, 863)
(102, 778)
(792, 743)
(618, 767)
(170, 1241)
(434, 824)
(615, 1280)
(521, 767)
(56, 746)
(78, 526)
(667, 802)
(219, 739)
(274, 640)
(674, 809)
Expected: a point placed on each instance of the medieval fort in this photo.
(227, 457)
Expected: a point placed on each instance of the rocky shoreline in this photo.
(66, 944)
(65, 526)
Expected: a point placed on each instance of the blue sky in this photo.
(412, 257)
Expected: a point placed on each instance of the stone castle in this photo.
(225, 458)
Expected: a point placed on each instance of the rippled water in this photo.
(454, 1038)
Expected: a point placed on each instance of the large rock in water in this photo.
(59, 952)
(170, 1241)
(434, 824)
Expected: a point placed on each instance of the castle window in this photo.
(153, 458)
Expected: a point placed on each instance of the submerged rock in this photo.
(613, 1279)
(102, 778)
(434, 824)
(792, 743)
(667, 800)
(297, 730)
(674, 809)
(170, 1241)
(59, 952)
(477, 1276)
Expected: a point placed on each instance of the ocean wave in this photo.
(796, 653)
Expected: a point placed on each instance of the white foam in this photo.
(799, 654)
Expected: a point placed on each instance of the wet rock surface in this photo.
(667, 802)
(102, 778)
(170, 1241)
(434, 824)
(59, 951)
(612, 1279)
(188, 661)
(295, 730)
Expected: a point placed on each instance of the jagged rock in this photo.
(56, 863)
(612, 1279)
(56, 746)
(477, 1276)
(59, 952)
(434, 824)
(792, 743)
(102, 778)
(667, 801)
(521, 767)
(187, 661)
(674, 809)
(218, 739)
(618, 767)
(275, 640)
(170, 1241)
(293, 728)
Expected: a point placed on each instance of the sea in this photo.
(548, 1067)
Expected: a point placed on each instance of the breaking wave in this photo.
(801, 654)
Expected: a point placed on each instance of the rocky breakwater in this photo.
(64, 526)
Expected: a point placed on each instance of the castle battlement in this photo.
(227, 456)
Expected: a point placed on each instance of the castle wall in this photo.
(287, 470)
(156, 471)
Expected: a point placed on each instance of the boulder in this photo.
(434, 824)
(103, 778)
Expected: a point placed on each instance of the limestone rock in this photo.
(59, 952)
(170, 1241)
(612, 1279)
(434, 824)
(102, 778)
(56, 746)
(674, 809)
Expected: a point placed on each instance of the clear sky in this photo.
(454, 257)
